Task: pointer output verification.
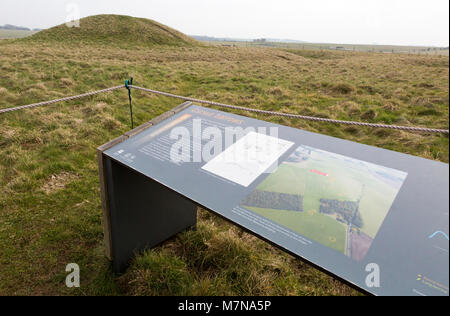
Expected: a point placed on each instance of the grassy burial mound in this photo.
(116, 30)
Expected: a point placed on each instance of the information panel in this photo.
(372, 217)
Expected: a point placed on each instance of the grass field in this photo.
(385, 49)
(50, 209)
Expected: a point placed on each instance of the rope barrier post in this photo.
(129, 83)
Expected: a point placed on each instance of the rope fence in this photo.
(295, 116)
(228, 106)
(84, 95)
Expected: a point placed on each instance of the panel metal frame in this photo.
(159, 194)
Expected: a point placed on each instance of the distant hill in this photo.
(229, 39)
(115, 30)
(277, 40)
(14, 33)
(14, 27)
(203, 38)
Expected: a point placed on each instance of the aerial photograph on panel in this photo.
(335, 200)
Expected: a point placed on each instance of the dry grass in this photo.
(43, 230)
(58, 182)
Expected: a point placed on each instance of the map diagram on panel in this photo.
(337, 201)
(248, 158)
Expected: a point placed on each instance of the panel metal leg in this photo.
(142, 213)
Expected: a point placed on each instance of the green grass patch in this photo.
(318, 227)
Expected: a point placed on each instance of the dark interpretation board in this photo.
(375, 218)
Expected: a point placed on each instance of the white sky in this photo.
(401, 22)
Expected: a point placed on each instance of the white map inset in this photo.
(248, 158)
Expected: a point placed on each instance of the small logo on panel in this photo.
(438, 233)
(432, 284)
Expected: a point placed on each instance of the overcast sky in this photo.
(401, 22)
